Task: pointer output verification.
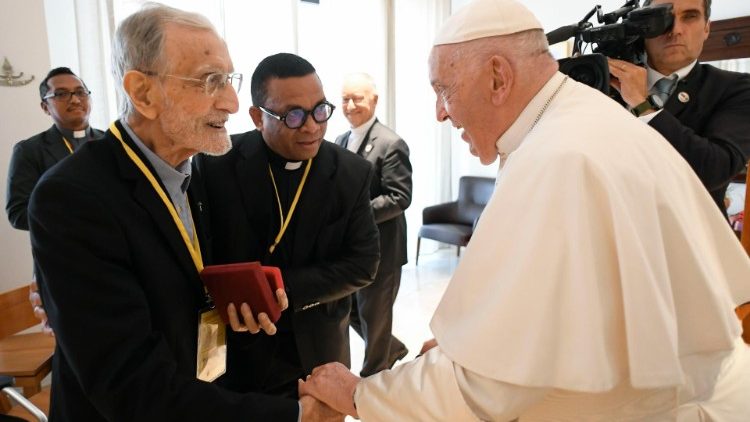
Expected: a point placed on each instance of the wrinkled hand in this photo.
(427, 345)
(39, 312)
(317, 411)
(631, 81)
(334, 385)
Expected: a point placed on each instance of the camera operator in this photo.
(704, 112)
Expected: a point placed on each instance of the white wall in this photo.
(23, 40)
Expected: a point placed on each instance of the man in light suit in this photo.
(288, 198)
(705, 114)
(390, 196)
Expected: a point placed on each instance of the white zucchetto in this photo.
(486, 18)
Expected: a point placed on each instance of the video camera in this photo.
(620, 40)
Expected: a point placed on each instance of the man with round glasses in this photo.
(66, 99)
(286, 197)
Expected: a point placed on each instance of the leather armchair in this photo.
(454, 222)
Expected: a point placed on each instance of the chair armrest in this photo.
(6, 386)
(441, 213)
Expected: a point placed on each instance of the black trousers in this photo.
(372, 318)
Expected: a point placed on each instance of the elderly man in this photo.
(119, 270)
(390, 196)
(614, 298)
(701, 110)
(287, 198)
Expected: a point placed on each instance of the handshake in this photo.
(328, 393)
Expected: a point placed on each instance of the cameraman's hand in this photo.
(630, 80)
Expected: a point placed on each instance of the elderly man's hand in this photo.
(39, 312)
(334, 385)
(631, 81)
(317, 411)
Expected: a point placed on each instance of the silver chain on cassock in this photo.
(546, 104)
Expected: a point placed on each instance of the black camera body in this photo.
(620, 40)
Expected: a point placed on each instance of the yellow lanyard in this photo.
(193, 247)
(67, 144)
(285, 221)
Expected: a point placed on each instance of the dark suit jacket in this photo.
(390, 190)
(335, 241)
(711, 130)
(123, 297)
(31, 158)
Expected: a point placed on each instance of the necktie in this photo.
(663, 87)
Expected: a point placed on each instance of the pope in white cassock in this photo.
(601, 280)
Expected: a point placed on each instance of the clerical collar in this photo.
(516, 133)
(280, 162)
(78, 135)
(654, 76)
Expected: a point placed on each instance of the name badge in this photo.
(212, 347)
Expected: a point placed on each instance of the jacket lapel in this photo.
(54, 146)
(255, 183)
(688, 85)
(146, 196)
(370, 138)
(315, 202)
(341, 140)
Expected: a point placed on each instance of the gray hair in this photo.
(519, 48)
(139, 43)
(365, 77)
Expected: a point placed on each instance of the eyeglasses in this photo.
(296, 117)
(211, 83)
(357, 99)
(65, 96)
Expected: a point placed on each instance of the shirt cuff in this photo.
(647, 117)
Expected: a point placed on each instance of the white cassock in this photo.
(600, 284)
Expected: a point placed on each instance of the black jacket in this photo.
(123, 297)
(332, 243)
(31, 158)
(710, 127)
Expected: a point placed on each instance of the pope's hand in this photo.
(334, 385)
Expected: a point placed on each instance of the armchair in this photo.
(454, 222)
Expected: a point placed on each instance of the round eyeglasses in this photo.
(211, 83)
(65, 96)
(296, 117)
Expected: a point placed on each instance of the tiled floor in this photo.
(421, 289)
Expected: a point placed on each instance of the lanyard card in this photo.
(212, 347)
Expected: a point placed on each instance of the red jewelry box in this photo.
(247, 282)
